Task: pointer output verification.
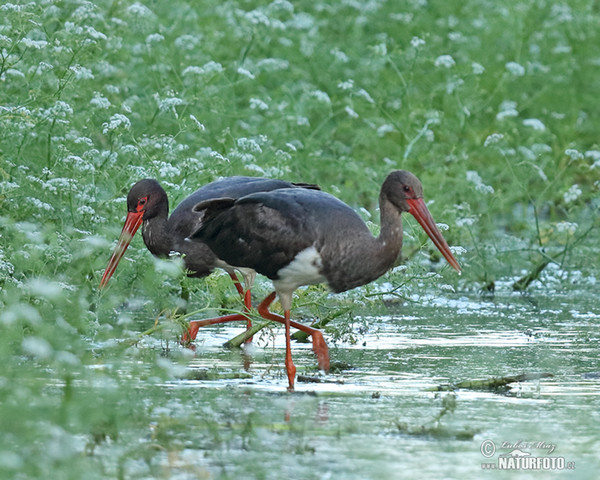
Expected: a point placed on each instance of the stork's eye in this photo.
(407, 189)
(141, 203)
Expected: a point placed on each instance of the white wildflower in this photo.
(273, 64)
(380, 49)
(154, 38)
(258, 104)
(98, 101)
(535, 124)
(245, 73)
(165, 169)
(36, 44)
(404, 17)
(417, 42)
(456, 37)
(5, 186)
(474, 178)
(383, 129)
(541, 148)
(168, 104)
(252, 167)
(95, 34)
(572, 194)
(339, 55)
(282, 156)
(560, 49)
(212, 67)
(595, 156)
(73, 28)
(458, 250)
(248, 144)
(37, 347)
(363, 93)
(130, 150)
(40, 68)
(188, 42)
(22, 311)
(527, 153)
(465, 222)
(508, 108)
(13, 72)
(561, 12)
(43, 287)
(61, 183)
(351, 113)
(81, 73)
(86, 210)
(573, 154)
(200, 126)
(477, 68)
(257, 17)
(209, 67)
(84, 12)
(445, 61)
(192, 70)
(116, 122)
(5, 266)
(346, 84)
(321, 96)
(139, 10)
(80, 164)
(493, 139)
(61, 109)
(515, 69)
(452, 85)
(39, 205)
(67, 358)
(569, 227)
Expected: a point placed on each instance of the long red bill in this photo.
(420, 211)
(132, 223)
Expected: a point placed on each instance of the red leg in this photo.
(289, 363)
(247, 297)
(319, 346)
(237, 283)
(196, 324)
(247, 308)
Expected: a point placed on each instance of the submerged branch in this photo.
(490, 384)
(237, 341)
(522, 283)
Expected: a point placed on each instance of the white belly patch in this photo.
(305, 269)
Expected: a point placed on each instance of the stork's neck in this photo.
(157, 236)
(389, 241)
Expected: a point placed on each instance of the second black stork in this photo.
(148, 207)
(300, 237)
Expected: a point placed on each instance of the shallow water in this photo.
(377, 417)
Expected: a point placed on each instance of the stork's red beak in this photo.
(132, 223)
(420, 211)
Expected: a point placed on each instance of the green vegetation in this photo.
(493, 104)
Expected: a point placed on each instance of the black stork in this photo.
(300, 237)
(148, 207)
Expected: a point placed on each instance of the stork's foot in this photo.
(321, 350)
